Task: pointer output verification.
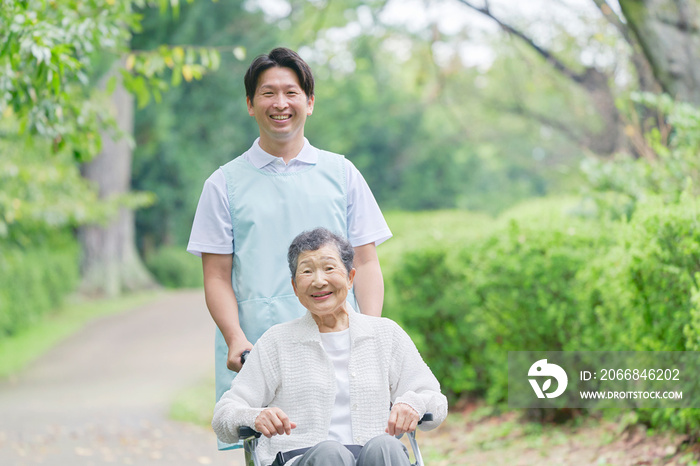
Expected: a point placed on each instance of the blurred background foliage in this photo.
(402, 120)
(538, 167)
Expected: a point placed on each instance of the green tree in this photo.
(422, 133)
(663, 53)
(177, 151)
(52, 54)
(47, 57)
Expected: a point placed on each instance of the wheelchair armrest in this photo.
(245, 432)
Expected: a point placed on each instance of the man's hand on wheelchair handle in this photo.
(402, 419)
(234, 362)
(273, 421)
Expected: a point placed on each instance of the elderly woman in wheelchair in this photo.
(333, 387)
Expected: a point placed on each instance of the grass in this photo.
(194, 404)
(449, 229)
(416, 230)
(20, 349)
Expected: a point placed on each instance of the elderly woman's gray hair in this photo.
(313, 240)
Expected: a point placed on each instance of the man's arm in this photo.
(369, 283)
(222, 305)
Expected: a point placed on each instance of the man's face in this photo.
(280, 106)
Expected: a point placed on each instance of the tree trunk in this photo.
(610, 138)
(669, 31)
(110, 262)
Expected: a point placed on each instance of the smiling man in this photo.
(252, 207)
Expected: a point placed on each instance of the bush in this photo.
(432, 303)
(555, 283)
(34, 281)
(174, 268)
(648, 292)
(646, 284)
(527, 286)
(421, 243)
(516, 290)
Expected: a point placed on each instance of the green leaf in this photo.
(139, 88)
(215, 59)
(204, 57)
(175, 5)
(177, 75)
(111, 84)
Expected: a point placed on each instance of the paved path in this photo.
(102, 396)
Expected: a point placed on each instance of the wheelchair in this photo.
(250, 441)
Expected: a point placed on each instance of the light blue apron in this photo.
(268, 210)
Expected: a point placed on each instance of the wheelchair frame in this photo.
(250, 442)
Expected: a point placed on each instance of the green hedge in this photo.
(554, 282)
(514, 290)
(174, 268)
(34, 280)
(647, 292)
(646, 284)
(432, 300)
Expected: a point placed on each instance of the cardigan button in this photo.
(352, 374)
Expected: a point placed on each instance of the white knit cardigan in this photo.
(289, 368)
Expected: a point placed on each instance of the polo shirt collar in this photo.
(259, 158)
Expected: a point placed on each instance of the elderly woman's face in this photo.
(322, 281)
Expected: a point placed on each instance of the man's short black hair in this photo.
(283, 58)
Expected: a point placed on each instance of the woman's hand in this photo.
(273, 421)
(402, 419)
